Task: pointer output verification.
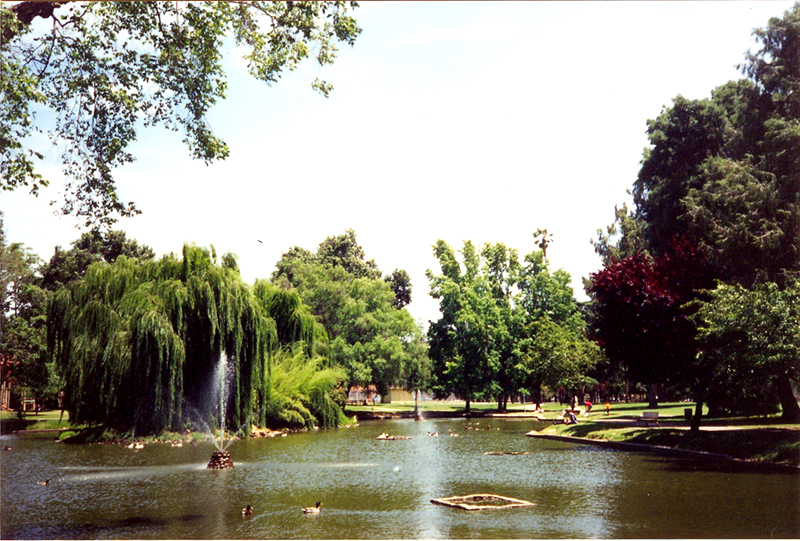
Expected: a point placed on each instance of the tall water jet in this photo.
(221, 459)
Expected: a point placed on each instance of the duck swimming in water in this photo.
(247, 511)
(44, 483)
(312, 510)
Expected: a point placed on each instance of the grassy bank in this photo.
(762, 438)
(749, 438)
(43, 420)
(756, 439)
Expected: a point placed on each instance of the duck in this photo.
(247, 511)
(7, 448)
(312, 510)
(44, 483)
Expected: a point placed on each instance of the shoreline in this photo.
(671, 452)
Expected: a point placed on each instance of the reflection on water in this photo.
(119, 473)
(374, 489)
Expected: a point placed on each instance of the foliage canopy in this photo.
(101, 71)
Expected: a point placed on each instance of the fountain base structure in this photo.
(220, 460)
(481, 502)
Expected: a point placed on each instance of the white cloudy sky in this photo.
(451, 120)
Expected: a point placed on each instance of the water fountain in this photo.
(221, 458)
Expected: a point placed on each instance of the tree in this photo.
(506, 328)
(554, 349)
(500, 272)
(641, 317)
(105, 69)
(344, 251)
(68, 265)
(460, 341)
(746, 221)
(755, 332)
(721, 177)
(623, 238)
(723, 172)
(776, 66)
(294, 322)
(300, 391)
(544, 239)
(681, 138)
(22, 319)
(400, 282)
(138, 343)
(371, 336)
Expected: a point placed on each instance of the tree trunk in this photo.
(698, 413)
(791, 411)
(652, 395)
(466, 407)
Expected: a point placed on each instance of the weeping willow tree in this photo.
(138, 343)
(293, 319)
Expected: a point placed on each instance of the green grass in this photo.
(673, 410)
(772, 442)
(44, 420)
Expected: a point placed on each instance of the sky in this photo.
(480, 121)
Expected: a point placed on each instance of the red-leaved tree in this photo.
(642, 307)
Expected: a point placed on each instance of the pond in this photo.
(374, 489)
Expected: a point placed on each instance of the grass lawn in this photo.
(44, 420)
(551, 409)
(751, 438)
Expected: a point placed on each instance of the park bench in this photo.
(649, 417)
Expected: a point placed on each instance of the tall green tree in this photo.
(23, 346)
(496, 335)
(755, 334)
(371, 335)
(68, 265)
(681, 138)
(498, 273)
(555, 350)
(623, 238)
(102, 70)
(460, 341)
(138, 342)
(721, 174)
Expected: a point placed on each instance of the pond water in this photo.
(373, 489)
